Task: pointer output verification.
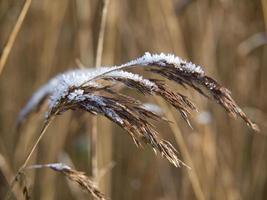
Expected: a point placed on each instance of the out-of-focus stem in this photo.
(13, 35)
(184, 151)
(99, 52)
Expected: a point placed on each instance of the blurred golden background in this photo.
(227, 37)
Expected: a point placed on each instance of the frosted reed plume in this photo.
(76, 176)
(92, 90)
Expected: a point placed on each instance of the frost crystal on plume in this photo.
(164, 59)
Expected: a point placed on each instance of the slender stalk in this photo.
(184, 151)
(46, 125)
(13, 35)
(25, 163)
(99, 50)
(99, 53)
(94, 152)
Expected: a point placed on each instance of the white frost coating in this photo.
(112, 114)
(55, 166)
(132, 76)
(74, 78)
(97, 99)
(58, 166)
(37, 97)
(163, 59)
(75, 95)
(77, 78)
(59, 86)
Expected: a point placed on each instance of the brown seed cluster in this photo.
(97, 95)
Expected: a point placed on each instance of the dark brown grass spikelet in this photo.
(223, 97)
(84, 182)
(76, 176)
(168, 150)
(129, 114)
(177, 100)
(140, 86)
(207, 87)
(134, 119)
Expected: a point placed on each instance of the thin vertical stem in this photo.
(99, 53)
(184, 151)
(99, 50)
(46, 125)
(13, 34)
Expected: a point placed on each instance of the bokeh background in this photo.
(227, 37)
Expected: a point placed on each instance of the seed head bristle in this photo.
(76, 176)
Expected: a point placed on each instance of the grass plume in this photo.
(84, 90)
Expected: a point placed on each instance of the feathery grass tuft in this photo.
(92, 91)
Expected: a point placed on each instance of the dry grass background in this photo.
(228, 37)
